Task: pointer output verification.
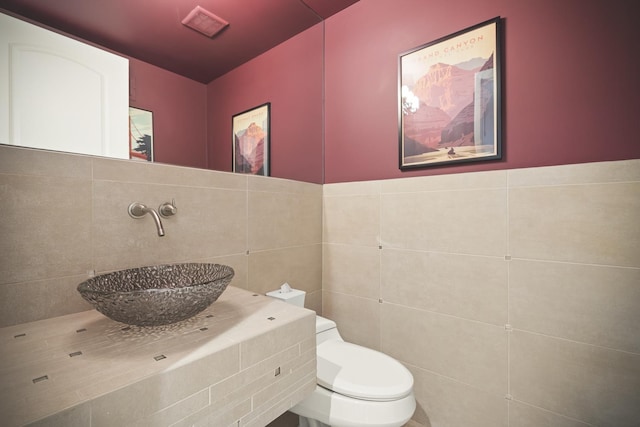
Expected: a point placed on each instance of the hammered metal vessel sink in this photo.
(156, 295)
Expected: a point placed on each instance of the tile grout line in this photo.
(246, 238)
(573, 341)
(92, 221)
(380, 249)
(508, 302)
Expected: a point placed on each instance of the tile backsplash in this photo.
(64, 217)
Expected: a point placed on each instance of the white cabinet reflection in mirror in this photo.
(58, 93)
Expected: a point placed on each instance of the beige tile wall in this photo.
(515, 293)
(513, 296)
(64, 217)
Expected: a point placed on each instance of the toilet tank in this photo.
(326, 330)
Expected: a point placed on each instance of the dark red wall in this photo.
(179, 108)
(571, 90)
(288, 76)
(571, 81)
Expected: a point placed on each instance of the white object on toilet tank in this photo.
(289, 295)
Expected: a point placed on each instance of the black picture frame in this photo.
(450, 99)
(251, 136)
(141, 134)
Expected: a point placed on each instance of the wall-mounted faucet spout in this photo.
(138, 210)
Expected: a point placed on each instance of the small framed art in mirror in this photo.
(251, 140)
(140, 134)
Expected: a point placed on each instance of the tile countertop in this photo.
(54, 364)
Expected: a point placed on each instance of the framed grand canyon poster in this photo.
(449, 99)
(251, 139)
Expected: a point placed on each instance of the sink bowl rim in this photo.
(156, 295)
(85, 285)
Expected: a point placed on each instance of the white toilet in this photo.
(357, 386)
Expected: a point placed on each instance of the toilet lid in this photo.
(361, 372)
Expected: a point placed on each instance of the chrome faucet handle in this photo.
(168, 209)
(137, 210)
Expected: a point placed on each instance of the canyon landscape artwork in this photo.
(449, 102)
(251, 141)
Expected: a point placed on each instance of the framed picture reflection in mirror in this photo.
(251, 139)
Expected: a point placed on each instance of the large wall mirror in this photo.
(192, 97)
(61, 94)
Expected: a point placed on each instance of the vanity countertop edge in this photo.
(243, 361)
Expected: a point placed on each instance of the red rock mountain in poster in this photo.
(250, 149)
(446, 87)
(446, 113)
(254, 131)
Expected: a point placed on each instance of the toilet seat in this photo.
(361, 373)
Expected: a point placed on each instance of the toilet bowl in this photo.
(356, 386)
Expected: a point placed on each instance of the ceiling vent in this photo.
(204, 22)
